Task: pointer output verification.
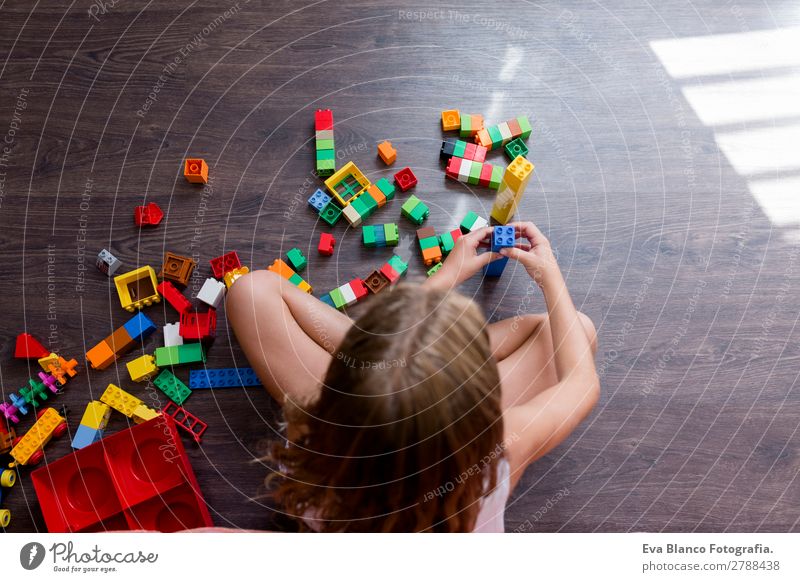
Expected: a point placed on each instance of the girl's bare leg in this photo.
(287, 335)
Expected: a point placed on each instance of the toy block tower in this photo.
(515, 179)
(325, 152)
(503, 237)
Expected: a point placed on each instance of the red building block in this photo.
(149, 215)
(29, 348)
(326, 244)
(186, 420)
(174, 297)
(388, 271)
(405, 179)
(323, 120)
(359, 288)
(225, 264)
(198, 326)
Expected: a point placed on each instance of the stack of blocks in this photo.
(223, 378)
(346, 295)
(285, 271)
(503, 237)
(472, 222)
(502, 133)
(429, 245)
(93, 424)
(462, 149)
(516, 178)
(325, 153)
(448, 240)
(415, 210)
(475, 173)
(380, 235)
(120, 342)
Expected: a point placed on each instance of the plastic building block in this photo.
(514, 148)
(35, 393)
(349, 293)
(330, 213)
(172, 334)
(324, 144)
(462, 149)
(398, 264)
(285, 271)
(429, 245)
(327, 300)
(296, 259)
(167, 356)
(190, 353)
(472, 222)
(46, 361)
(198, 326)
(195, 170)
(28, 449)
(85, 436)
(470, 125)
(503, 237)
(451, 120)
(231, 276)
(387, 153)
(174, 297)
(380, 235)
(502, 133)
(405, 179)
(347, 184)
(212, 292)
(415, 210)
(515, 180)
(432, 271)
(62, 370)
(223, 378)
(101, 356)
(149, 215)
(142, 368)
(137, 288)
(186, 420)
(224, 264)
(323, 120)
(137, 479)
(139, 327)
(50, 381)
(119, 400)
(29, 348)
(96, 415)
(475, 173)
(174, 389)
(386, 188)
(318, 200)
(177, 268)
(394, 268)
(107, 263)
(376, 282)
(326, 244)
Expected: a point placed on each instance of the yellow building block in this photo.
(96, 415)
(143, 413)
(120, 400)
(347, 184)
(231, 276)
(451, 120)
(518, 173)
(48, 424)
(515, 179)
(46, 361)
(137, 288)
(142, 368)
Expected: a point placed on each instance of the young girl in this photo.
(418, 416)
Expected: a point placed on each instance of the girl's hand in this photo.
(535, 255)
(464, 260)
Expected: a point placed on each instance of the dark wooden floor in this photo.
(692, 287)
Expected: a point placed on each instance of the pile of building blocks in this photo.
(451, 120)
(29, 448)
(470, 125)
(127, 404)
(285, 271)
(56, 372)
(172, 387)
(462, 149)
(326, 244)
(93, 424)
(472, 222)
(195, 170)
(137, 289)
(415, 210)
(149, 215)
(324, 146)
(502, 133)
(177, 268)
(380, 235)
(28, 347)
(222, 378)
(108, 351)
(429, 245)
(107, 263)
(296, 259)
(387, 153)
(474, 173)
(515, 180)
(179, 355)
(137, 479)
(142, 368)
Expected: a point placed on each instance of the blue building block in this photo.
(139, 327)
(223, 378)
(85, 436)
(318, 200)
(19, 402)
(380, 236)
(503, 237)
(327, 299)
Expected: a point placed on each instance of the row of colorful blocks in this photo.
(285, 271)
(475, 173)
(134, 331)
(380, 235)
(498, 135)
(462, 149)
(324, 145)
(470, 125)
(345, 295)
(363, 206)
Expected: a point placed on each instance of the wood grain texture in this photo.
(691, 286)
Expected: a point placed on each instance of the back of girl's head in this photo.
(406, 432)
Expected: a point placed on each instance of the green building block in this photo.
(295, 279)
(368, 234)
(525, 126)
(370, 204)
(167, 356)
(497, 177)
(325, 155)
(435, 268)
(338, 298)
(175, 390)
(331, 213)
(415, 210)
(398, 265)
(391, 234)
(475, 174)
(460, 148)
(386, 187)
(361, 207)
(466, 126)
(516, 147)
(190, 353)
(325, 144)
(326, 167)
(296, 259)
(428, 243)
(495, 136)
(446, 242)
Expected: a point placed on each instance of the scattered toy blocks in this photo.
(107, 263)
(472, 222)
(223, 378)
(28, 347)
(120, 400)
(172, 387)
(470, 125)
(224, 264)
(387, 153)
(285, 271)
(195, 170)
(499, 135)
(503, 237)
(515, 180)
(231, 276)
(149, 215)
(326, 244)
(451, 120)
(415, 210)
(349, 293)
(318, 200)
(137, 288)
(347, 184)
(172, 334)
(323, 142)
(174, 297)
(212, 292)
(405, 179)
(198, 326)
(296, 259)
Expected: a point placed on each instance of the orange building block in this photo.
(196, 171)
(432, 255)
(281, 269)
(387, 153)
(377, 195)
(451, 120)
(101, 356)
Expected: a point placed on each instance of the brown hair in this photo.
(409, 413)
